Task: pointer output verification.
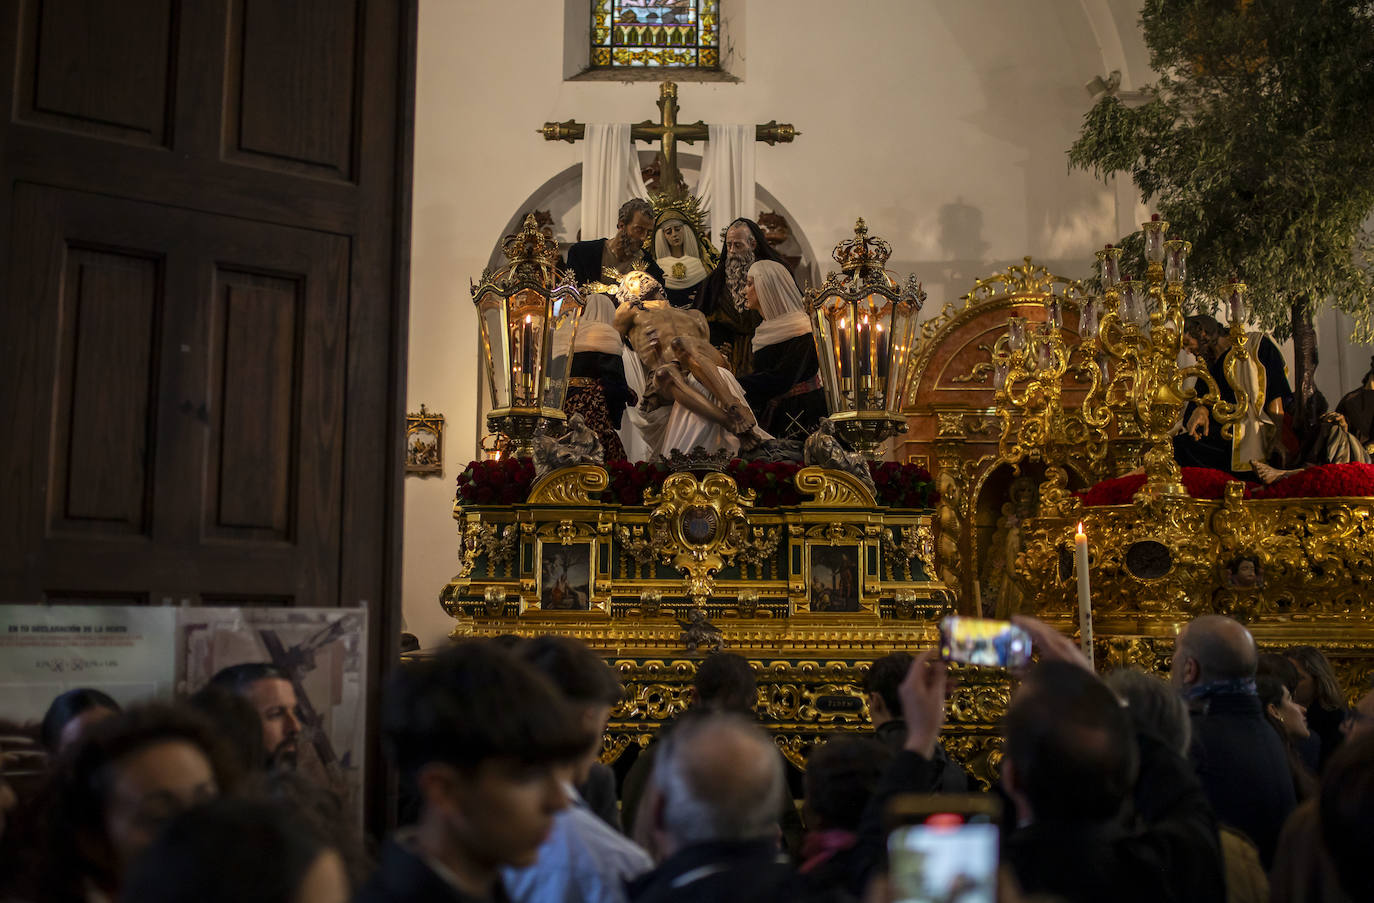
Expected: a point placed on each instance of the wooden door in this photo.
(205, 216)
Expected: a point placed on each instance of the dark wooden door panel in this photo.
(109, 305)
(311, 45)
(97, 67)
(195, 393)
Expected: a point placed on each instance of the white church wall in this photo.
(944, 124)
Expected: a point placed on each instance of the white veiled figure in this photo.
(683, 266)
(780, 304)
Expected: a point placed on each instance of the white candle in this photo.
(1085, 611)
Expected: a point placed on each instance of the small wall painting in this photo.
(835, 578)
(565, 577)
(425, 443)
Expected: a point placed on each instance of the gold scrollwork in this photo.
(570, 486)
(832, 489)
(706, 523)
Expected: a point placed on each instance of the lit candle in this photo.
(865, 364)
(881, 364)
(527, 351)
(844, 351)
(1085, 611)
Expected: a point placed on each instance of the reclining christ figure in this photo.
(686, 375)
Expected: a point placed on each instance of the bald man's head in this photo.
(720, 778)
(1212, 648)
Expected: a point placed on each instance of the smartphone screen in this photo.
(950, 856)
(976, 641)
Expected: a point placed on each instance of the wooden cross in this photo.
(669, 132)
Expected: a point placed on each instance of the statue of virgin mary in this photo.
(679, 254)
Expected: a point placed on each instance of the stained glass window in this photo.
(655, 34)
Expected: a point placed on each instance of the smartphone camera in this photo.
(946, 850)
(977, 641)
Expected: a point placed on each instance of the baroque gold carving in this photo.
(705, 523)
(570, 486)
(832, 489)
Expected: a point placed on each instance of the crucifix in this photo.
(669, 132)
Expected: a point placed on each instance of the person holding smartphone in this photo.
(1073, 763)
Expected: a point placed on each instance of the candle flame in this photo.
(528, 319)
(1080, 529)
(878, 326)
(842, 322)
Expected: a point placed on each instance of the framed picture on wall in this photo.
(425, 443)
(565, 576)
(835, 578)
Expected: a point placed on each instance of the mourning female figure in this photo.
(679, 254)
(784, 388)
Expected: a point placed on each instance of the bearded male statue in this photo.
(721, 296)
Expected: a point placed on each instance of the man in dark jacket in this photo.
(1073, 762)
(1238, 756)
(622, 252)
(713, 805)
(885, 711)
(481, 735)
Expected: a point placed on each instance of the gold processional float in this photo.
(655, 566)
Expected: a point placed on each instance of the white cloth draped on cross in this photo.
(611, 175)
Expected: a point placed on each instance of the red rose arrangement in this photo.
(503, 482)
(629, 479)
(1200, 483)
(1323, 481)
(903, 485)
(771, 481)
(508, 482)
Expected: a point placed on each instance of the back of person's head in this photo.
(476, 702)
(841, 776)
(1277, 665)
(724, 682)
(232, 850)
(238, 678)
(719, 778)
(884, 677)
(92, 834)
(578, 672)
(1202, 326)
(1071, 745)
(237, 722)
(1154, 708)
(1222, 648)
(67, 708)
(1326, 689)
(1347, 814)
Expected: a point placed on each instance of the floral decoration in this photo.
(1353, 479)
(508, 482)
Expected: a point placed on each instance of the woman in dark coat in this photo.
(784, 388)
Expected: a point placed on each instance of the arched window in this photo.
(656, 34)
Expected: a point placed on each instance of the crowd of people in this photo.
(1242, 777)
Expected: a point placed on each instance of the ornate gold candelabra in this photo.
(1029, 369)
(528, 313)
(865, 331)
(1138, 339)
(1128, 357)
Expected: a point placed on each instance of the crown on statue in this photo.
(698, 459)
(863, 253)
(530, 245)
